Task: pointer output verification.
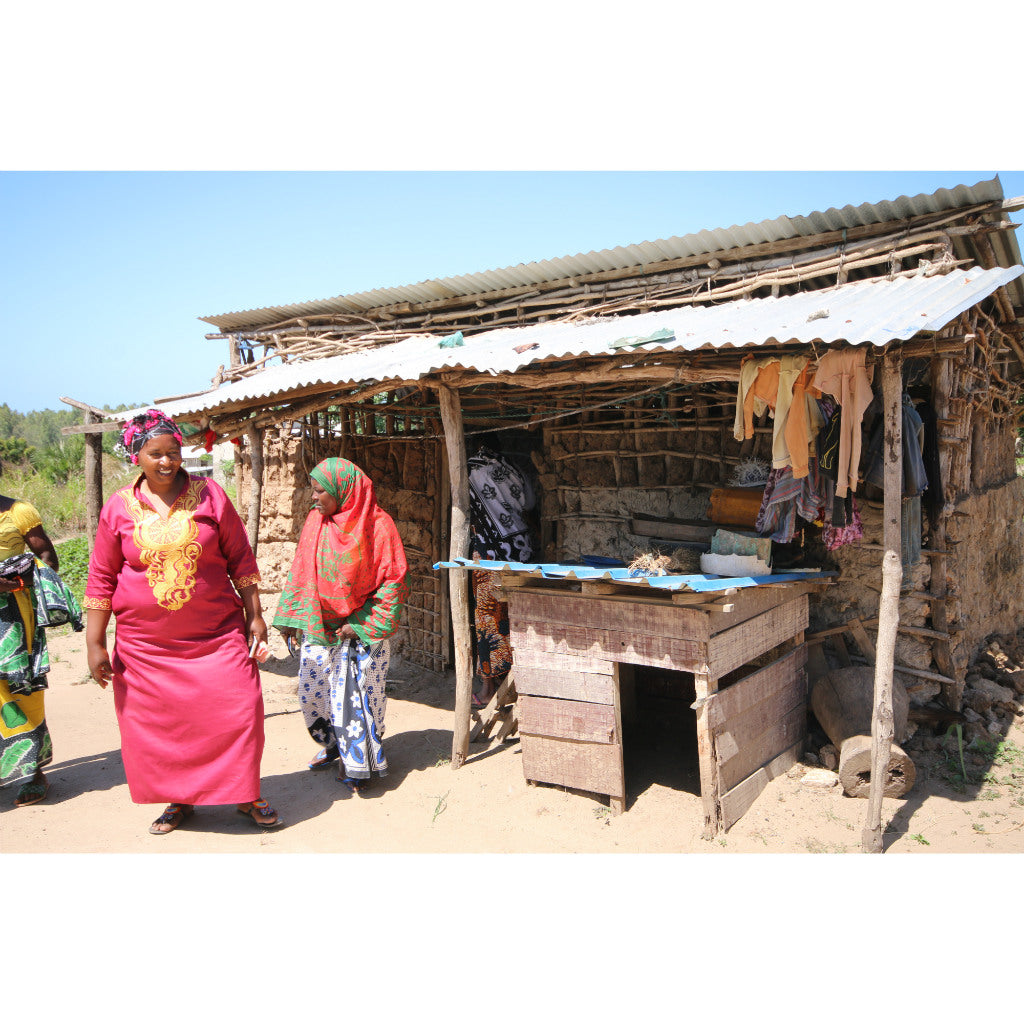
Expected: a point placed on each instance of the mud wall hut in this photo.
(615, 376)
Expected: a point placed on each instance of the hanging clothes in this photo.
(500, 495)
(933, 498)
(835, 536)
(785, 497)
(844, 375)
(828, 462)
(828, 437)
(748, 402)
(781, 384)
(915, 476)
(803, 422)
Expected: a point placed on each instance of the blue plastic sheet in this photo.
(699, 583)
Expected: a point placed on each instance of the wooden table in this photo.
(571, 641)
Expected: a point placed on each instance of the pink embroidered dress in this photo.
(186, 692)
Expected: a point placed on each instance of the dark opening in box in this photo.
(658, 730)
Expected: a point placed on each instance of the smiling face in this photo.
(323, 501)
(160, 460)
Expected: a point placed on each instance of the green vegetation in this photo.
(33, 441)
(40, 465)
(956, 730)
(74, 564)
(61, 505)
(442, 806)
(15, 450)
(1003, 755)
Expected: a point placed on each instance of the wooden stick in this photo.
(889, 602)
(98, 413)
(106, 427)
(255, 485)
(458, 582)
(93, 480)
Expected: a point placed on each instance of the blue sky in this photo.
(155, 169)
(106, 273)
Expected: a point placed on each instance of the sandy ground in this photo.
(423, 806)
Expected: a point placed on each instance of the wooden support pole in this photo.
(704, 687)
(458, 580)
(255, 484)
(106, 427)
(93, 427)
(889, 602)
(98, 413)
(93, 480)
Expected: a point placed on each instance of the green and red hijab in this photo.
(349, 567)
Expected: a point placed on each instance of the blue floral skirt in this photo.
(341, 690)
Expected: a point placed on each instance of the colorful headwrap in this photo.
(138, 430)
(348, 567)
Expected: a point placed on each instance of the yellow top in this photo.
(14, 524)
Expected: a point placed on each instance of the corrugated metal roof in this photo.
(871, 312)
(624, 257)
(698, 583)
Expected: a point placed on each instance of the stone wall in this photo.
(985, 535)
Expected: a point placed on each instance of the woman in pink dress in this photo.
(173, 564)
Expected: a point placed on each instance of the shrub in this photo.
(74, 564)
(61, 506)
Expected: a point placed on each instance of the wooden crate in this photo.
(570, 724)
(569, 647)
(661, 634)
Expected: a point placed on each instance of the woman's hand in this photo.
(346, 633)
(7, 587)
(99, 664)
(290, 635)
(256, 628)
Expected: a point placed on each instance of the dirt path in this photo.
(486, 806)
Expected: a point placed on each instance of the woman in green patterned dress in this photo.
(25, 745)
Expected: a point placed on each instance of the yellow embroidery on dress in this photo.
(169, 550)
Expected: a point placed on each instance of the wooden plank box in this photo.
(643, 633)
(568, 647)
(552, 675)
(567, 719)
(572, 743)
(594, 767)
(758, 726)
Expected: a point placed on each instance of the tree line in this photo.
(34, 439)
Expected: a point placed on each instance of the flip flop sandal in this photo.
(354, 786)
(35, 792)
(174, 815)
(263, 808)
(323, 759)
